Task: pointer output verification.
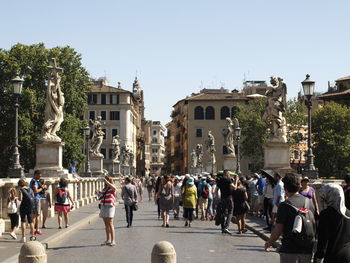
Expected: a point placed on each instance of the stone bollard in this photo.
(163, 252)
(32, 252)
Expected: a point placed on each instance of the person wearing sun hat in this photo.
(309, 192)
(189, 197)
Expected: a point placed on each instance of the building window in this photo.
(113, 99)
(103, 151)
(224, 150)
(209, 113)
(178, 137)
(199, 132)
(92, 99)
(154, 140)
(114, 115)
(103, 99)
(234, 111)
(103, 115)
(154, 150)
(154, 132)
(224, 113)
(105, 132)
(198, 113)
(110, 153)
(92, 115)
(114, 132)
(154, 159)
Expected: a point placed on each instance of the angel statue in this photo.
(211, 146)
(276, 105)
(193, 159)
(97, 137)
(229, 135)
(125, 155)
(54, 105)
(116, 148)
(199, 153)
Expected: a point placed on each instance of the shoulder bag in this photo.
(135, 207)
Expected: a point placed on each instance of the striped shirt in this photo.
(107, 198)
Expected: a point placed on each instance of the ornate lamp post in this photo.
(87, 136)
(16, 170)
(309, 88)
(238, 137)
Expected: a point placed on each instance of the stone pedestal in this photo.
(209, 168)
(117, 170)
(276, 157)
(230, 162)
(125, 170)
(96, 164)
(49, 159)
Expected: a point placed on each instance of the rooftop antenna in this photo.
(105, 74)
(136, 74)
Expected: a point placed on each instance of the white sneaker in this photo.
(13, 235)
(23, 240)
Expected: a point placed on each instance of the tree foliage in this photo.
(254, 132)
(296, 118)
(331, 131)
(31, 63)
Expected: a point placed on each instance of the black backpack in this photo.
(61, 196)
(305, 237)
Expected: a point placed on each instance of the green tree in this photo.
(331, 131)
(296, 118)
(31, 62)
(254, 132)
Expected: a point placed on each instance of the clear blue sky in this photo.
(179, 46)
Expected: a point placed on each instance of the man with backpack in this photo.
(203, 191)
(296, 223)
(37, 188)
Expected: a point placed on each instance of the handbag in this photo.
(12, 207)
(102, 197)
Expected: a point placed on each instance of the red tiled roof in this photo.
(108, 89)
(217, 96)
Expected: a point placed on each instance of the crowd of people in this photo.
(311, 226)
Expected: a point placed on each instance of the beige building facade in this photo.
(122, 112)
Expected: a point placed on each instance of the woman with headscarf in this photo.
(334, 227)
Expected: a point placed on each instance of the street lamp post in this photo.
(309, 88)
(16, 170)
(87, 135)
(238, 137)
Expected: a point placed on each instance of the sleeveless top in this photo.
(308, 194)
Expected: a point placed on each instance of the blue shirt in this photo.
(278, 191)
(261, 185)
(36, 183)
(72, 170)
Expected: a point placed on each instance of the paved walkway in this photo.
(10, 248)
(203, 242)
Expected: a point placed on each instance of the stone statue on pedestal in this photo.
(211, 146)
(131, 158)
(54, 105)
(125, 155)
(199, 153)
(194, 159)
(97, 137)
(275, 107)
(116, 149)
(229, 135)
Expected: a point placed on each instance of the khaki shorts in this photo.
(202, 203)
(37, 208)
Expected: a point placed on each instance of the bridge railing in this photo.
(82, 191)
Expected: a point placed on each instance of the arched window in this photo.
(234, 111)
(209, 113)
(224, 150)
(224, 113)
(198, 113)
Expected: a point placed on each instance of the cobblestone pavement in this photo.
(203, 242)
